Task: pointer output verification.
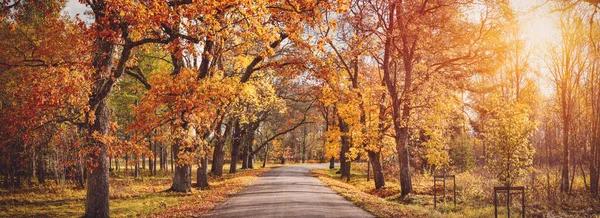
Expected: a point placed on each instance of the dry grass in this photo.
(371, 203)
(129, 197)
(474, 196)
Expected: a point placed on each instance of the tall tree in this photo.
(567, 65)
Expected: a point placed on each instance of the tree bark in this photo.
(41, 171)
(235, 146)
(564, 185)
(378, 177)
(304, 133)
(266, 157)
(96, 204)
(136, 173)
(154, 160)
(332, 163)
(218, 159)
(81, 173)
(345, 140)
(202, 174)
(245, 154)
(182, 180)
(402, 150)
(251, 160)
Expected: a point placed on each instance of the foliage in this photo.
(461, 153)
(508, 132)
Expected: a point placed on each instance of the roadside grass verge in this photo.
(375, 205)
(473, 197)
(128, 197)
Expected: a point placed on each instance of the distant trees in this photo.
(567, 64)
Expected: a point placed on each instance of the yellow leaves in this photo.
(507, 133)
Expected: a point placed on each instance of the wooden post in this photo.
(508, 189)
(495, 204)
(508, 201)
(523, 204)
(444, 188)
(434, 195)
(454, 189)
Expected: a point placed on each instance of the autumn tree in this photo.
(508, 133)
(42, 88)
(566, 62)
(414, 59)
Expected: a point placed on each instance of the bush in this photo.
(461, 153)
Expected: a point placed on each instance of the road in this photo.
(288, 192)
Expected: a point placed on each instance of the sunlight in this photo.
(538, 25)
(539, 30)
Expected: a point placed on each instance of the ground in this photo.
(474, 196)
(288, 192)
(129, 197)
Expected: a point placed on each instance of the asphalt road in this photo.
(288, 192)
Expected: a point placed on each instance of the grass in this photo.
(474, 197)
(128, 197)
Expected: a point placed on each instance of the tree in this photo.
(414, 60)
(508, 133)
(567, 66)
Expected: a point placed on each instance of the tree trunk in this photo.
(595, 161)
(368, 170)
(251, 160)
(96, 204)
(218, 159)
(345, 140)
(378, 177)
(172, 158)
(245, 156)
(81, 174)
(202, 174)
(162, 158)
(41, 171)
(235, 146)
(154, 160)
(136, 173)
(564, 185)
(266, 157)
(402, 150)
(594, 177)
(332, 163)
(126, 164)
(304, 133)
(182, 180)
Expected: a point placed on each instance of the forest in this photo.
(405, 108)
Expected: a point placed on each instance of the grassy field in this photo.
(474, 197)
(128, 197)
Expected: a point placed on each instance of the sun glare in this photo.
(539, 31)
(538, 24)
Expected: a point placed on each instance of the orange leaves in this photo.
(46, 84)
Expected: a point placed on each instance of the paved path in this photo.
(288, 192)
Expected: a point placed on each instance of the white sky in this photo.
(539, 30)
(73, 8)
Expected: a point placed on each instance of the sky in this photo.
(539, 31)
(73, 8)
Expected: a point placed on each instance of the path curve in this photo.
(288, 191)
